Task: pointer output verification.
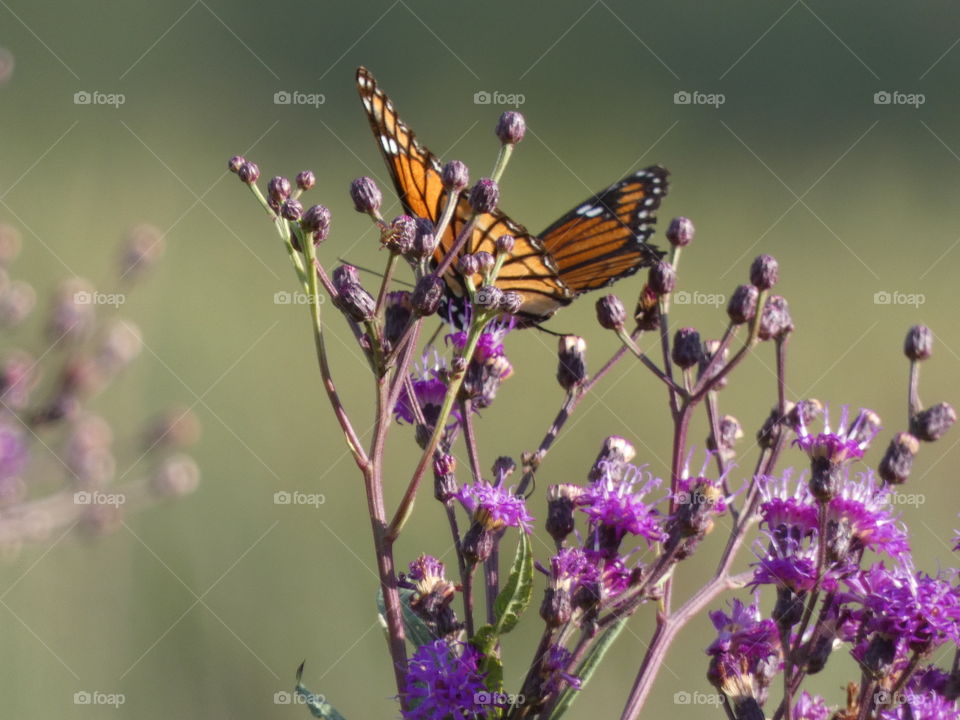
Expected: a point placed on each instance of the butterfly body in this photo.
(598, 242)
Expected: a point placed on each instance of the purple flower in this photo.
(746, 653)
(923, 698)
(490, 344)
(429, 388)
(554, 670)
(426, 569)
(495, 507)
(846, 443)
(787, 507)
(443, 683)
(616, 508)
(860, 516)
(810, 707)
(788, 563)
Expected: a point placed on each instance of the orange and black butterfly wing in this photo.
(605, 237)
(414, 169)
(416, 175)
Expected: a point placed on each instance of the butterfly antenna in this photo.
(542, 329)
(377, 273)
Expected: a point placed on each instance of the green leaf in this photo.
(485, 641)
(516, 594)
(588, 667)
(416, 630)
(317, 704)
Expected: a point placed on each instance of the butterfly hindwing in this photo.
(605, 237)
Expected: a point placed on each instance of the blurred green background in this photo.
(205, 607)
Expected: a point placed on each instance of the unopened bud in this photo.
(344, 275)
(572, 365)
(775, 320)
(919, 343)
(561, 503)
(427, 295)
(291, 210)
(366, 195)
(400, 235)
(663, 278)
(306, 180)
(485, 196)
(468, 265)
(317, 221)
(742, 307)
(455, 176)
(488, 296)
(764, 272)
(614, 454)
(249, 173)
(235, 163)
(511, 302)
(687, 349)
(357, 302)
(930, 424)
(680, 231)
(505, 244)
(511, 127)
(278, 189)
(610, 312)
(897, 461)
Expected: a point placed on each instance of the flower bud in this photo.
(291, 210)
(484, 196)
(769, 432)
(344, 275)
(930, 424)
(764, 272)
(663, 278)
(317, 221)
(424, 240)
(278, 189)
(919, 343)
(897, 462)
(572, 365)
(687, 349)
(400, 235)
(488, 296)
(444, 478)
(235, 163)
(485, 261)
(680, 231)
(511, 302)
(306, 180)
(427, 295)
(743, 304)
(775, 320)
(511, 127)
(615, 453)
(356, 302)
(610, 312)
(177, 475)
(477, 543)
(249, 173)
(366, 195)
(561, 503)
(730, 433)
(468, 265)
(455, 176)
(397, 309)
(505, 244)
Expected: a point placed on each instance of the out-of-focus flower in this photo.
(443, 681)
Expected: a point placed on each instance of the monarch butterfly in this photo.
(601, 240)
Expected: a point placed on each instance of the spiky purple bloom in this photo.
(846, 443)
(429, 388)
(924, 697)
(425, 567)
(554, 670)
(746, 653)
(444, 683)
(810, 707)
(787, 563)
(861, 516)
(490, 344)
(616, 506)
(495, 507)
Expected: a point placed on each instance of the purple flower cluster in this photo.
(843, 444)
(495, 507)
(616, 505)
(443, 681)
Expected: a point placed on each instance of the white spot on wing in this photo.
(589, 210)
(389, 145)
